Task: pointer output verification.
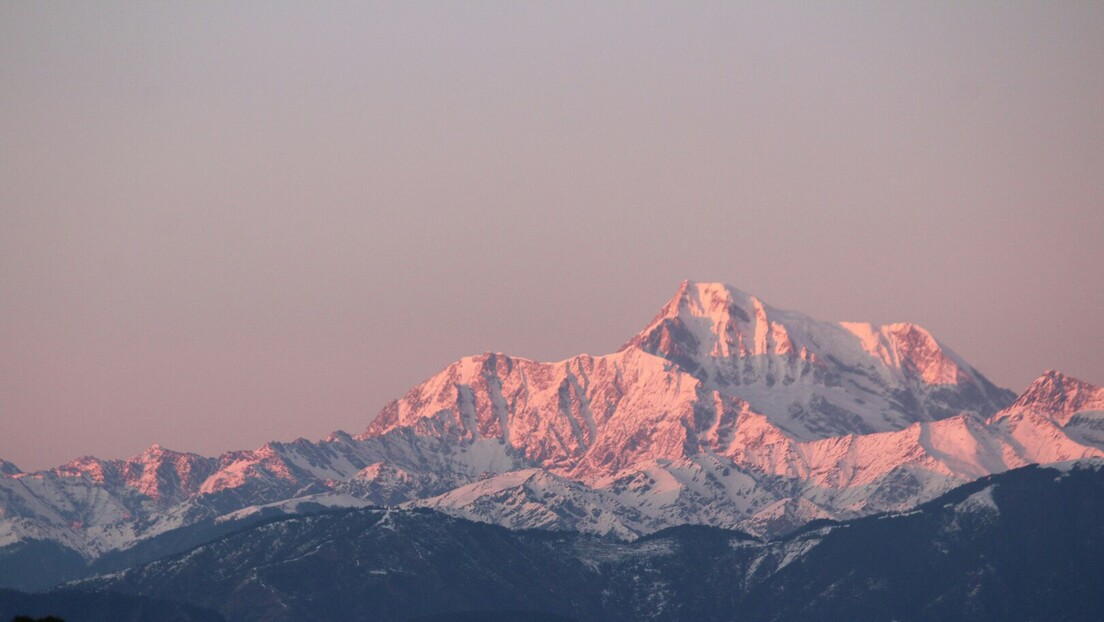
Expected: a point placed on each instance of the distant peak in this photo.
(155, 452)
(1053, 376)
(711, 289)
(1060, 395)
(1057, 379)
(339, 436)
(715, 300)
(8, 468)
(706, 320)
(1053, 384)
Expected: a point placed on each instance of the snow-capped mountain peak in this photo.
(712, 320)
(813, 378)
(1059, 397)
(716, 321)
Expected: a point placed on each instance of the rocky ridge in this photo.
(723, 411)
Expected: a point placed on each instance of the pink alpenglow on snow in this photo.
(724, 411)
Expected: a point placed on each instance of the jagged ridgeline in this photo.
(1023, 545)
(723, 411)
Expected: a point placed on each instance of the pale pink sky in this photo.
(221, 225)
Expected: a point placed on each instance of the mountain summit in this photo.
(1059, 397)
(815, 379)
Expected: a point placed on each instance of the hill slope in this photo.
(1017, 546)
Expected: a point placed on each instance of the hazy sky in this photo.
(226, 223)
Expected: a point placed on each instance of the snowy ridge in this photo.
(1059, 397)
(724, 411)
(815, 379)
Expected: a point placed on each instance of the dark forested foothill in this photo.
(1023, 545)
(104, 606)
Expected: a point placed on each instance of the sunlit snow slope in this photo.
(722, 411)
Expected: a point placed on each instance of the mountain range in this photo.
(723, 411)
(1022, 545)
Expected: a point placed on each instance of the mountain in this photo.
(723, 411)
(814, 379)
(1073, 405)
(764, 482)
(1059, 398)
(712, 354)
(1023, 545)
